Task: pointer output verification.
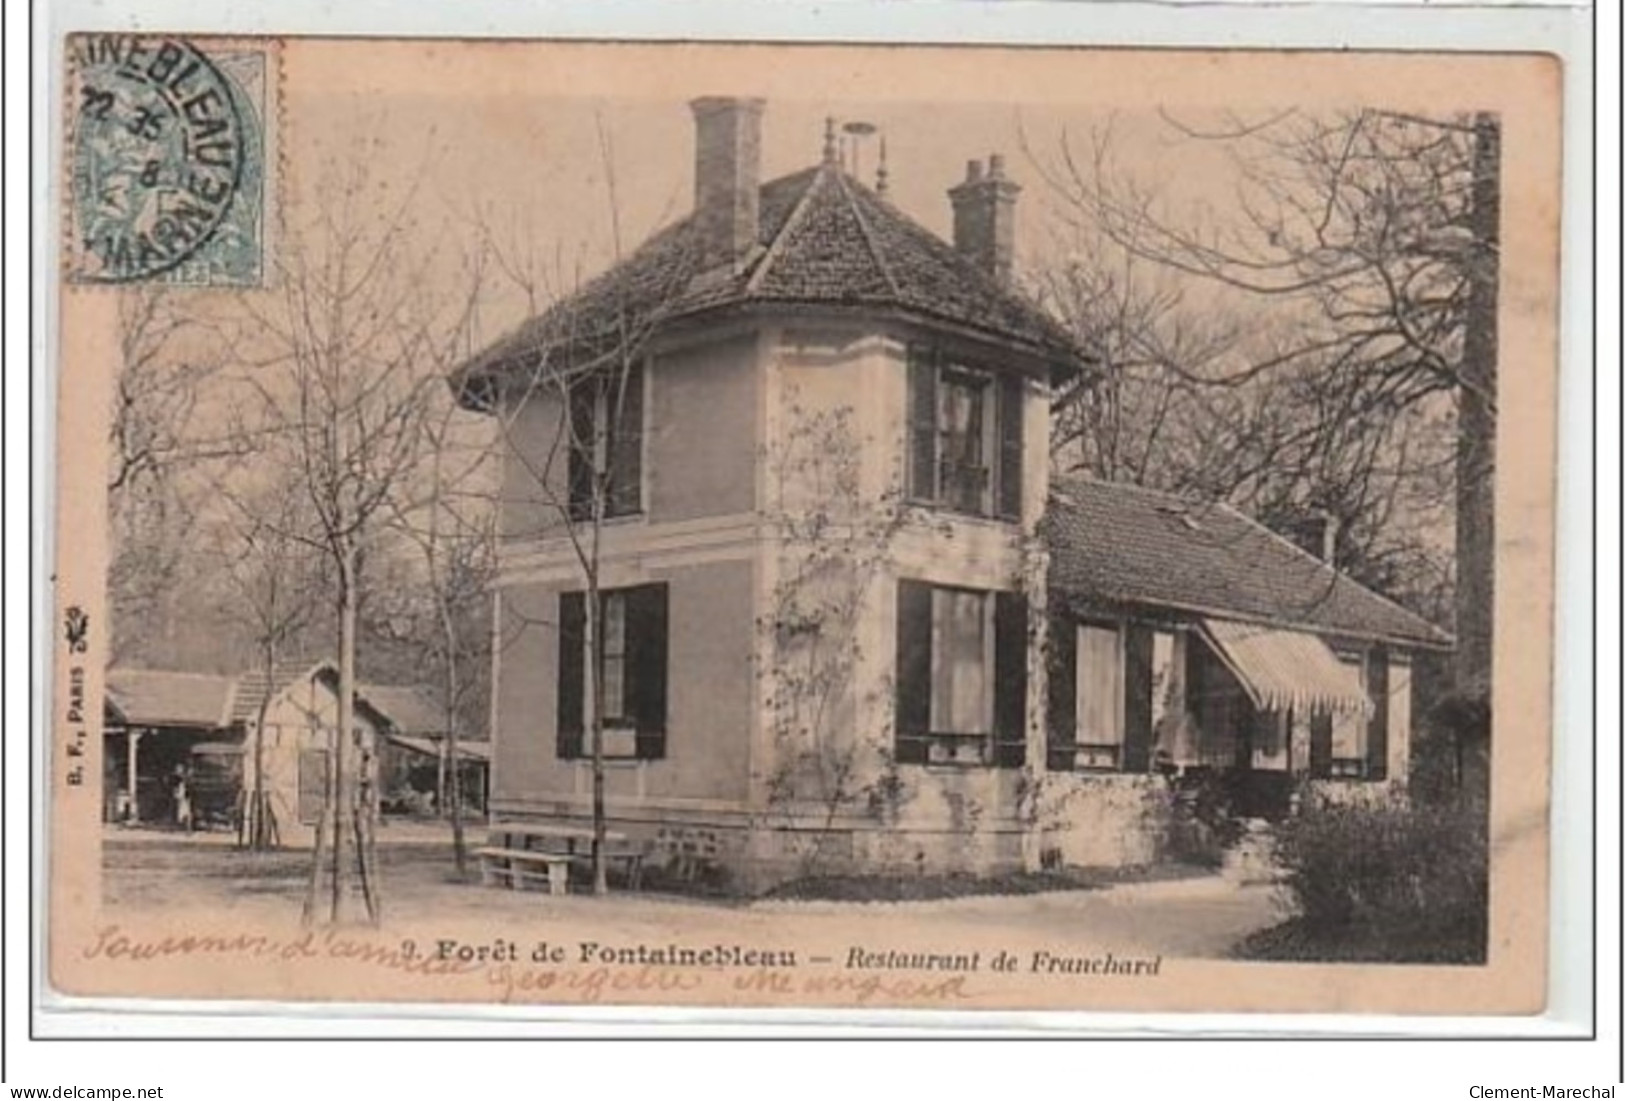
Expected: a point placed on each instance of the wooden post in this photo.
(132, 755)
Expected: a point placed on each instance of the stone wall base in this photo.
(746, 855)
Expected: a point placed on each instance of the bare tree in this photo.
(1368, 242)
(337, 360)
(156, 443)
(581, 361)
(262, 548)
(447, 516)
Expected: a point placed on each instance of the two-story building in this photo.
(802, 443)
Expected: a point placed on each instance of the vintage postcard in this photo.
(803, 526)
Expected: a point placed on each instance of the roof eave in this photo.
(1438, 641)
(471, 382)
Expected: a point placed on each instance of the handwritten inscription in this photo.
(112, 943)
(590, 972)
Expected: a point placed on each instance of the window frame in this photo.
(1133, 754)
(917, 741)
(940, 630)
(1119, 702)
(1003, 412)
(639, 732)
(615, 716)
(586, 457)
(981, 396)
(1357, 767)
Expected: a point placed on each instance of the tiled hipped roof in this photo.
(1121, 544)
(825, 239)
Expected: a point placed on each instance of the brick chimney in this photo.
(1316, 532)
(985, 217)
(727, 177)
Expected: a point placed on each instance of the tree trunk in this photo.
(338, 789)
(313, 887)
(1476, 429)
(595, 692)
(1475, 465)
(441, 801)
(258, 829)
(452, 775)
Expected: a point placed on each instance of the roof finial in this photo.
(882, 175)
(830, 151)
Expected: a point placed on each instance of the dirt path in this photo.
(1201, 916)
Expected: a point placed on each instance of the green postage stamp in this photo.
(168, 148)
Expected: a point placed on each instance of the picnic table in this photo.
(521, 854)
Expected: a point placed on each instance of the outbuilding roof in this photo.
(156, 697)
(255, 686)
(1123, 544)
(405, 707)
(826, 240)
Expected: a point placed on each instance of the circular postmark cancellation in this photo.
(157, 152)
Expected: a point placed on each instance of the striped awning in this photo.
(1281, 669)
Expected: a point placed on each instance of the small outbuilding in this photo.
(184, 749)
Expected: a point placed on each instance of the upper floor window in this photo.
(606, 443)
(965, 436)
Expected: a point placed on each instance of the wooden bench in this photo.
(519, 868)
(570, 843)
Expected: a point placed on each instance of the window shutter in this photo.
(1010, 448)
(580, 410)
(1009, 679)
(1062, 727)
(913, 671)
(1320, 744)
(626, 447)
(572, 672)
(922, 425)
(1376, 741)
(1137, 662)
(646, 656)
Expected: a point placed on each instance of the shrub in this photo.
(1412, 878)
(1202, 819)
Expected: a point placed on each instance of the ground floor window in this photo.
(1103, 694)
(961, 662)
(1353, 745)
(631, 660)
(961, 675)
(1100, 697)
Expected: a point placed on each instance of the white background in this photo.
(1263, 1069)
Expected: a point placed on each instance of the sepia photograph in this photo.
(769, 525)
